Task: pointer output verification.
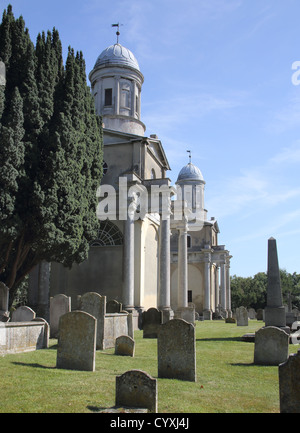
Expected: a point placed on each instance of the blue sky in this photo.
(218, 82)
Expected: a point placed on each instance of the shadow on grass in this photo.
(241, 364)
(33, 365)
(220, 339)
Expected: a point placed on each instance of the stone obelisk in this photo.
(274, 311)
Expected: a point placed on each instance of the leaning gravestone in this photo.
(95, 304)
(152, 320)
(241, 316)
(124, 345)
(23, 314)
(59, 305)
(289, 384)
(176, 350)
(271, 346)
(136, 389)
(76, 341)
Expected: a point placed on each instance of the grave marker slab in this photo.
(76, 341)
(176, 350)
(23, 314)
(271, 346)
(241, 316)
(124, 345)
(289, 384)
(135, 388)
(59, 305)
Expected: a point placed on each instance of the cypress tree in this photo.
(51, 154)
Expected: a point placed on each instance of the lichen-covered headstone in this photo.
(76, 341)
(176, 350)
(271, 346)
(289, 384)
(124, 345)
(23, 314)
(59, 305)
(136, 389)
(95, 304)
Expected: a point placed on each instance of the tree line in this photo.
(50, 153)
(252, 291)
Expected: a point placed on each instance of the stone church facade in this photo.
(152, 258)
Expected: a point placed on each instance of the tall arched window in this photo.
(108, 235)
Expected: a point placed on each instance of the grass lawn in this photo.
(227, 379)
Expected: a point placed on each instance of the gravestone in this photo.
(4, 297)
(152, 320)
(271, 346)
(23, 314)
(59, 305)
(251, 313)
(113, 306)
(137, 389)
(124, 345)
(260, 314)
(241, 316)
(289, 384)
(176, 350)
(76, 341)
(95, 304)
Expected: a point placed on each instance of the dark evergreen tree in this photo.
(50, 154)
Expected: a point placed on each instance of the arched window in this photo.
(108, 235)
(153, 175)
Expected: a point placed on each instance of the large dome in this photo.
(117, 55)
(190, 172)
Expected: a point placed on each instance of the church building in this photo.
(146, 256)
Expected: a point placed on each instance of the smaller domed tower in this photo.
(116, 82)
(192, 185)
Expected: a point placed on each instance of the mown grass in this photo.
(227, 379)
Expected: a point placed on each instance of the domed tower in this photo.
(192, 184)
(116, 82)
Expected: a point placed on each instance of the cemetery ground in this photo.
(227, 379)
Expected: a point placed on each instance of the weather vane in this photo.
(190, 155)
(118, 31)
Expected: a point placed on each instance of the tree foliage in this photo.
(252, 291)
(50, 154)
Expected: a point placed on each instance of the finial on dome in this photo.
(118, 31)
(190, 155)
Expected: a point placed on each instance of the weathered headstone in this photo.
(271, 346)
(137, 389)
(176, 350)
(289, 384)
(76, 341)
(23, 314)
(260, 314)
(59, 305)
(152, 320)
(124, 345)
(251, 313)
(274, 311)
(2, 74)
(4, 297)
(113, 306)
(94, 304)
(241, 316)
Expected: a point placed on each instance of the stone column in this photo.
(207, 312)
(217, 290)
(223, 290)
(164, 298)
(228, 291)
(128, 283)
(182, 268)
